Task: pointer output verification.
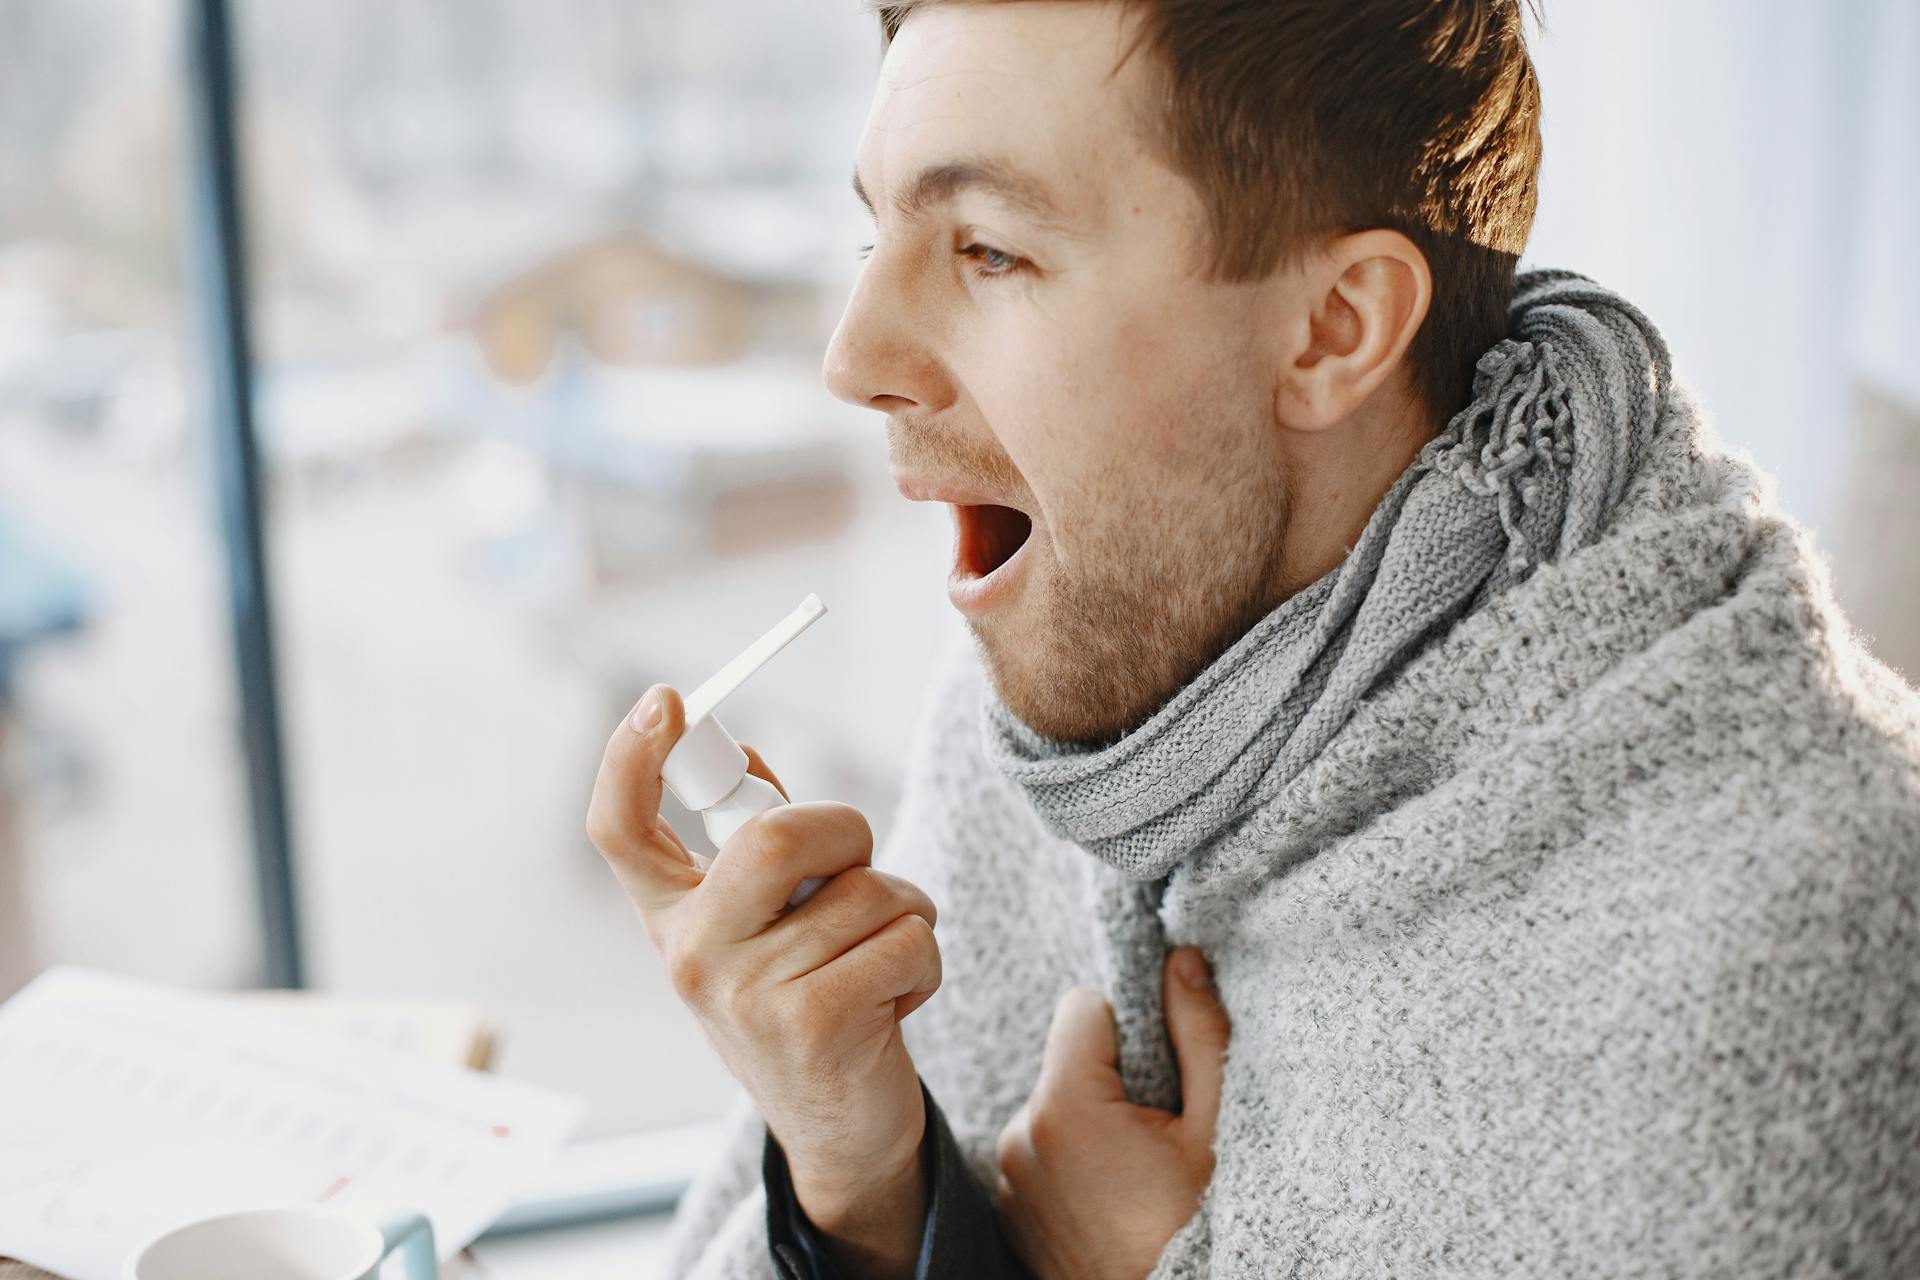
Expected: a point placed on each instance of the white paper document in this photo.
(128, 1108)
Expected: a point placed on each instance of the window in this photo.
(539, 292)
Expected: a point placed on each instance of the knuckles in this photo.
(724, 1000)
(858, 832)
(778, 835)
(737, 1006)
(783, 835)
(875, 895)
(689, 974)
(865, 892)
(799, 1028)
(1047, 1129)
(805, 1023)
(909, 945)
(1011, 1150)
(916, 934)
(927, 946)
(606, 833)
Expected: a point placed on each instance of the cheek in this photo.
(1184, 381)
(1097, 408)
(1150, 366)
(1048, 414)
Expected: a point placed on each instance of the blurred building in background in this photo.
(541, 289)
(540, 297)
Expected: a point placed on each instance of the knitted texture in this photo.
(1533, 467)
(1584, 945)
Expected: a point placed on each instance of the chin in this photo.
(1059, 688)
(1089, 664)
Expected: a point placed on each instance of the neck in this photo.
(1337, 477)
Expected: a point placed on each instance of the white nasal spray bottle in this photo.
(707, 770)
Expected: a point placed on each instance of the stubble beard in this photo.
(1148, 602)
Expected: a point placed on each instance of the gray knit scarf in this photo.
(1532, 469)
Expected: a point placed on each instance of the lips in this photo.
(991, 543)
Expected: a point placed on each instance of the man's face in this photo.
(1035, 321)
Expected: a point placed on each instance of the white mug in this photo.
(285, 1244)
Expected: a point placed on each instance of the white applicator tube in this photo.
(707, 770)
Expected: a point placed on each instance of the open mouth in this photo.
(989, 536)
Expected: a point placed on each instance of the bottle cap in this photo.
(707, 764)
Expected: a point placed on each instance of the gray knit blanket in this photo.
(1557, 857)
(1535, 467)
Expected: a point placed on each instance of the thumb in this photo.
(1083, 1049)
(1198, 1024)
(623, 818)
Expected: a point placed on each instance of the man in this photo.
(1380, 636)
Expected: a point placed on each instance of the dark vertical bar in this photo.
(219, 284)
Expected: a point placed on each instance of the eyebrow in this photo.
(940, 183)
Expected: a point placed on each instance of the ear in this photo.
(1366, 297)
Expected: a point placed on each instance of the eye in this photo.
(990, 263)
(865, 250)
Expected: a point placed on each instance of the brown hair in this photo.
(1297, 118)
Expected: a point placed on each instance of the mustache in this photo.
(930, 445)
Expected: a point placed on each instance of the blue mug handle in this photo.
(415, 1233)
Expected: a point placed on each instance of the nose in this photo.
(880, 356)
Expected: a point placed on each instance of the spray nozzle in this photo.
(707, 764)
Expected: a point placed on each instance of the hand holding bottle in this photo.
(707, 770)
(803, 1005)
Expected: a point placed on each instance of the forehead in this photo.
(1045, 86)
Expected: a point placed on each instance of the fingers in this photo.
(623, 818)
(1083, 1048)
(852, 907)
(907, 1003)
(1198, 1024)
(758, 768)
(1013, 1152)
(755, 872)
(899, 962)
